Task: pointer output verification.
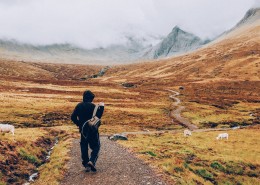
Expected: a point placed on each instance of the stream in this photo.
(35, 175)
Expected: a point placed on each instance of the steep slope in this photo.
(177, 42)
(234, 56)
(251, 16)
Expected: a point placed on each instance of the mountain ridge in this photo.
(132, 51)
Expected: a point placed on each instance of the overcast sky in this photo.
(99, 23)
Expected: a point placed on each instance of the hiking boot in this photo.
(87, 169)
(92, 167)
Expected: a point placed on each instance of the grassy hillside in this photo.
(44, 71)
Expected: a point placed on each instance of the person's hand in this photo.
(101, 104)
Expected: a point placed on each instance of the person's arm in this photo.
(74, 116)
(100, 110)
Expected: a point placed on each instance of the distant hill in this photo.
(68, 53)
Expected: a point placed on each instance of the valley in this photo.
(218, 84)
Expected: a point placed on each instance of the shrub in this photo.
(189, 158)
(185, 165)
(149, 153)
(178, 169)
(252, 174)
(251, 166)
(233, 168)
(210, 124)
(30, 158)
(205, 174)
(217, 166)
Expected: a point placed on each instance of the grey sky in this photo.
(96, 23)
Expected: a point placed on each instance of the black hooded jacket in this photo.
(84, 110)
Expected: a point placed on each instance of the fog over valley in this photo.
(101, 23)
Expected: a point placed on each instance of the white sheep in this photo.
(222, 136)
(7, 128)
(187, 133)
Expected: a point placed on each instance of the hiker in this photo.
(89, 134)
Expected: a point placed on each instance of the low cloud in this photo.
(100, 23)
(256, 4)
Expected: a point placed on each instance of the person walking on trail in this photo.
(83, 116)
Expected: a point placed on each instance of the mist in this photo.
(256, 4)
(101, 23)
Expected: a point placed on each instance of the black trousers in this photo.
(92, 142)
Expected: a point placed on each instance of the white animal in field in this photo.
(187, 133)
(222, 136)
(7, 128)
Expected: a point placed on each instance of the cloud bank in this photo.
(257, 4)
(100, 23)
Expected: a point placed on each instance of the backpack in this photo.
(92, 123)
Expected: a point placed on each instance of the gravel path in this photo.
(116, 166)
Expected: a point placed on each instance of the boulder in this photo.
(116, 137)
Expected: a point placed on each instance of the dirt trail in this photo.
(176, 113)
(116, 166)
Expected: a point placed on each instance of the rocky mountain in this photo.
(135, 49)
(177, 42)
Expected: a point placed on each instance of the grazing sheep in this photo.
(187, 133)
(7, 128)
(222, 136)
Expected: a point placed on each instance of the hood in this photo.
(88, 96)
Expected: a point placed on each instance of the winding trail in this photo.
(176, 113)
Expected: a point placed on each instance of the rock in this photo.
(234, 128)
(116, 137)
(128, 85)
(181, 88)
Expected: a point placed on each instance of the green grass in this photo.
(29, 157)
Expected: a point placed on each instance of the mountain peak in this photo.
(177, 29)
(177, 42)
(251, 15)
